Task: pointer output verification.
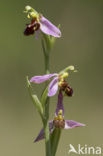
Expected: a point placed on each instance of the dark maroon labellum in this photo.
(63, 86)
(69, 91)
(66, 88)
(59, 123)
(31, 28)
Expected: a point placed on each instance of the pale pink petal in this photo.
(41, 134)
(37, 34)
(42, 78)
(53, 87)
(48, 28)
(72, 124)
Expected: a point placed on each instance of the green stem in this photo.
(46, 52)
(46, 129)
(55, 140)
(47, 56)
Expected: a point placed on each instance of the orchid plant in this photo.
(52, 129)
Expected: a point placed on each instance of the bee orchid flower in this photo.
(58, 81)
(40, 23)
(58, 121)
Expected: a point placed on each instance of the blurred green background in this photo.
(81, 45)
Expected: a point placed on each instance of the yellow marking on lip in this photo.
(60, 112)
(59, 117)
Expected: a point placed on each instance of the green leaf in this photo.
(44, 97)
(35, 99)
(28, 82)
(37, 104)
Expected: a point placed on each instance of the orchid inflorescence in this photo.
(55, 82)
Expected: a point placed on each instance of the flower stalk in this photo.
(46, 51)
(55, 138)
(46, 129)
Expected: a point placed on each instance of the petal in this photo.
(53, 87)
(60, 104)
(41, 134)
(72, 124)
(40, 79)
(37, 34)
(48, 28)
